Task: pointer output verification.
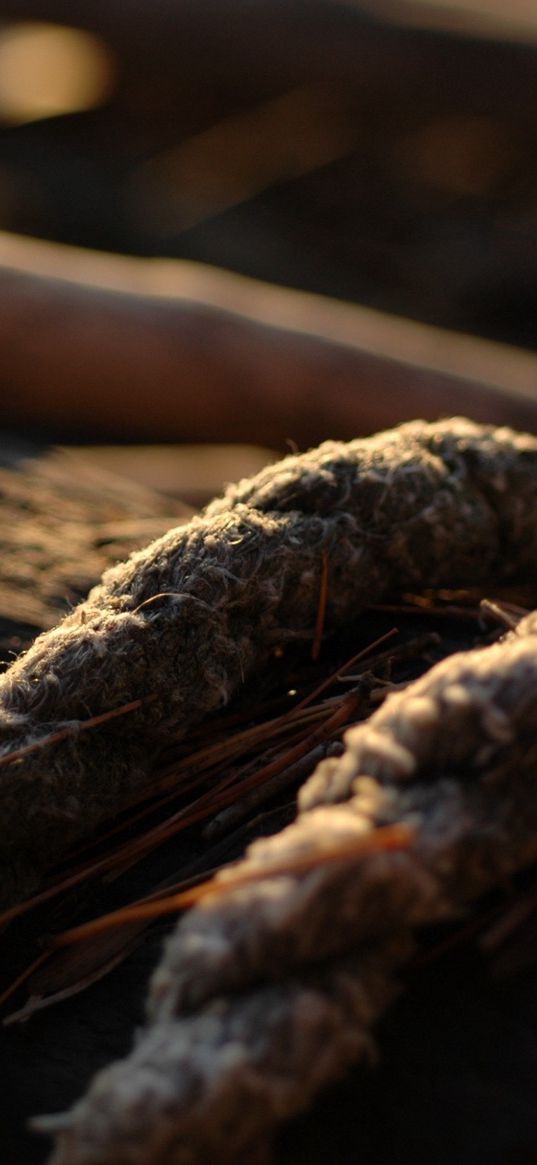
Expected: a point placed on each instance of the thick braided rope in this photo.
(183, 622)
(267, 993)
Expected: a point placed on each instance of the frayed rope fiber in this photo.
(267, 993)
(269, 987)
(182, 623)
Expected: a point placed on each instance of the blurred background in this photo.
(249, 225)
(382, 152)
(376, 152)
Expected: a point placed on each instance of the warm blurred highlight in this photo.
(50, 69)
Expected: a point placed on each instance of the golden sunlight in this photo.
(49, 69)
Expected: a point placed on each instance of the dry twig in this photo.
(182, 624)
(268, 988)
(446, 504)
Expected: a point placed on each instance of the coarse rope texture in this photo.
(182, 623)
(267, 992)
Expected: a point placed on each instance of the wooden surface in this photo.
(107, 346)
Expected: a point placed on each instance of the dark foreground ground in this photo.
(455, 1081)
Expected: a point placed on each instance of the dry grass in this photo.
(234, 776)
